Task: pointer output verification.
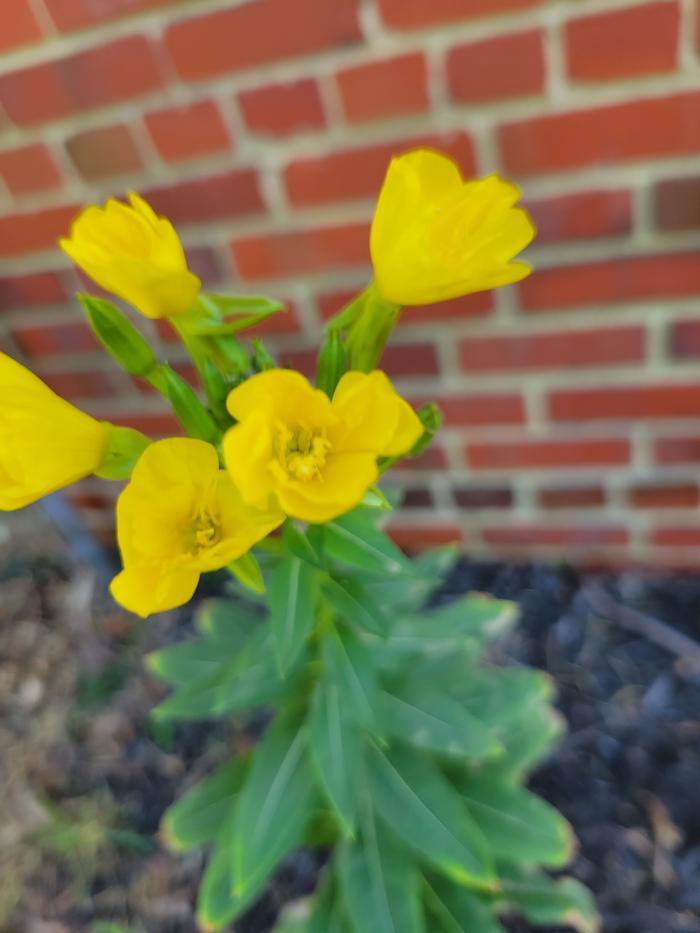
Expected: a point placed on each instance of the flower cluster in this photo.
(267, 446)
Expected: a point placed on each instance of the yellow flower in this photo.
(313, 457)
(135, 255)
(435, 236)
(45, 443)
(179, 517)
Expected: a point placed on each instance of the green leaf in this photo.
(404, 594)
(518, 825)
(354, 540)
(456, 909)
(424, 810)
(223, 620)
(348, 664)
(501, 696)
(472, 618)
(239, 305)
(292, 604)
(299, 544)
(197, 816)
(336, 748)
(379, 883)
(327, 913)
(217, 906)
(354, 605)
(275, 805)
(429, 719)
(247, 571)
(250, 679)
(527, 741)
(544, 901)
(189, 661)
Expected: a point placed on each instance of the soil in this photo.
(85, 778)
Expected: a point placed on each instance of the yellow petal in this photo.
(346, 478)
(153, 587)
(247, 449)
(373, 416)
(287, 393)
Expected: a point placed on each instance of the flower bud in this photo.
(118, 336)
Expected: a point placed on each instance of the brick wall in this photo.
(263, 128)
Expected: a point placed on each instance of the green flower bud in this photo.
(123, 448)
(118, 336)
(332, 363)
(190, 412)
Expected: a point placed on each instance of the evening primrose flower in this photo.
(436, 236)
(134, 254)
(312, 457)
(179, 517)
(45, 443)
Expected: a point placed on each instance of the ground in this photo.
(85, 776)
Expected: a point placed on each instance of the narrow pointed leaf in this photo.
(542, 900)
(519, 825)
(327, 912)
(348, 664)
(426, 812)
(457, 910)
(354, 540)
(185, 663)
(336, 748)
(197, 816)
(379, 883)
(226, 622)
(473, 618)
(430, 719)
(275, 805)
(247, 571)
(292, 591)
(355, 605)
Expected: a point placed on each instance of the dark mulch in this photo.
(626, 776)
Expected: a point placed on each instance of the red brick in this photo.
(388, 88)
(674, 536)
(283, 109)
(182, 133)
(105, 74)
(623, 43)
(97, 383)
(400, 361)
(358, 173)
(570, 453)
(300, 252)
(478, 409)
(548, 536)
(637, 278)
(103, 152)
(663, 126)
(153, 424)
(655, 496)
(483, 497)
(38, 288)
(77, 14)
(434, 458)
(19, 26)
(416, 497)
(29, 168)
(685, 339)
(677, 449)
(677, 203)
(52, 339)
(24, 233)
(497, 69)
(258, 33)
(424, 535)
(627, 402)
(231, 194)
(412, 14)
(582, 216)
(556, 350)
(469, 306)
(571, 497)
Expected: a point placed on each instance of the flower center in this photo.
(205, 531)
(302, 453)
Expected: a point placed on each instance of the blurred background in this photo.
(263, 129)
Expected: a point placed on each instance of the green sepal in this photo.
(370, 324)
(118, 335)
(332, 363)
(123, 447)
(247, 571)
(190, 412)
